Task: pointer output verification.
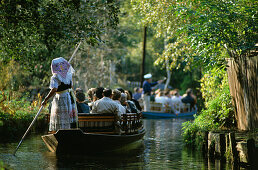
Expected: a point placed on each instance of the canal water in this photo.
(162, 148)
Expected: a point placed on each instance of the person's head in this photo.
(123, 98)
(80, 96)
(140, 90)
(77, 90)
(167, 93)
(136, 89)
(129, 96)
(107, 93)
(176, 93)
(189, 91)
(99, 92)
(92, 94)
(121, 89)
(148, 77)
(157, 91)
(116, 95)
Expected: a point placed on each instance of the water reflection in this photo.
(164, 145)
(162, 148)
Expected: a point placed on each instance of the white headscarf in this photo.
(62, 69)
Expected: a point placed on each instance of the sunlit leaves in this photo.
(219, 110)
(208, 26)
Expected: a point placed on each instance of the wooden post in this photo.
(211, 145)
(251, 151)
(143, 54)
(233, 148)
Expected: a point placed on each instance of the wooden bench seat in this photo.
(90, 122)
(106, 123)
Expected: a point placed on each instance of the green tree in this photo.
(34, 32)
(206, 28)
(205, 33)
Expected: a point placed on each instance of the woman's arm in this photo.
(50, 94)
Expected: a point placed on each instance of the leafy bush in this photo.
(3, 166)
(218, 113)
(16, 114)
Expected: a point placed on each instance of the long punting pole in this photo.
(75, 52)
(35, 118)
(28, 129)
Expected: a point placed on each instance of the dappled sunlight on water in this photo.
(162, 148)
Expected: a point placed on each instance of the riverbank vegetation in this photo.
(218, 113)
(16, 114)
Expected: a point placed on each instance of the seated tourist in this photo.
(124, 103)
(167, 97)
(77, 90)
(99, 92)
(105, 105)
(82, 107)
(176, 102)
(116, 96)
(188, 98)
(91, 96)
(136, 102)
(160, 98)
(131, 103)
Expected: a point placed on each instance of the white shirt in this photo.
(105, 105)
(161, 99)
(176, 99)
(176, 104)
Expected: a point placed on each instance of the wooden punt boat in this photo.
(158, 111)
(97, 134)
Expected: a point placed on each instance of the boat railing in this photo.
(131, 123)
(175, 108)
(109, 123)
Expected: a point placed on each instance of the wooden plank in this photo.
(50, 142)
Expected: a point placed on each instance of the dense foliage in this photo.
(218, 112)
(199, 31)
(34, 32)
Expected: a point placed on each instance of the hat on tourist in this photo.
(147, 76)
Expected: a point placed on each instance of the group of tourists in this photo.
(66, 105)
(168, 98)
(117, 101)
(172, 99)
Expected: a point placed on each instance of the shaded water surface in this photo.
(162, 148)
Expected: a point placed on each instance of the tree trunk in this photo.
(242, 77)
(167, 63)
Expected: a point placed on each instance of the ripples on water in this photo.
(162, 148)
